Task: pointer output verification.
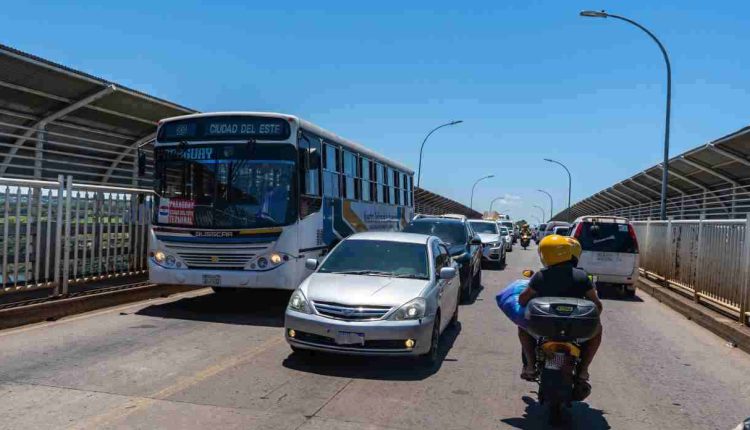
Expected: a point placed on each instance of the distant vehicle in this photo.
(376, 294)
(240, 197)
(464, 245)
(511, 228)
(539, 233)
(610, 250)
(550, 228)
(507, 239)
(493, 249)
(561, 230)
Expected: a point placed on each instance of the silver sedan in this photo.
(376, 294)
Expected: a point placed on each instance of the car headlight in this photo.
(298, 302)
(413, 310)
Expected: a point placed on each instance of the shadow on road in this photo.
(380, 368)
(611, 293)
(251, 307)
(475, 292)
(580, 415)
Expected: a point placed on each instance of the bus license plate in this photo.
(212, 280)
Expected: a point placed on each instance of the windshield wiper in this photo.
(363, 272)
(409, 276)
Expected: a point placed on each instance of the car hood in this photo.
(489, 237)
(361, 289)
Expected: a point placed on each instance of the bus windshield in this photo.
(225, 185)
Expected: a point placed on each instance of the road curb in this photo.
(717, 323)
(56, 309)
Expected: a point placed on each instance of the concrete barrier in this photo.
(56, 309)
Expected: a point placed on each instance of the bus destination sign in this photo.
(225, 128)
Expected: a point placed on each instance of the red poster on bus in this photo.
(181, 211)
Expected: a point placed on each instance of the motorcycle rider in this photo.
(559, 278)
(525, 231)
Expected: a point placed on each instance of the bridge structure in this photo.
(75, 212)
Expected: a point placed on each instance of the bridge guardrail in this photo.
(707, 260)
(57, 233)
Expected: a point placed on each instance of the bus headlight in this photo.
(160, 257)
(269, 261)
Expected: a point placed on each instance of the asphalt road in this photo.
(202, 361)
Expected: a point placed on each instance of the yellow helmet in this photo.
(575, 247)
(555, 249)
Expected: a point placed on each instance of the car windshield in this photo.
(504, 231)
(225, 186)
(484, 227)
(378, 258)
(450, 232)
(508, 224)
(562, 231)
(606, 237)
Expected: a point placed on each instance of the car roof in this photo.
(439, 219)
(486, 221)
(603, 219)
(391, 236)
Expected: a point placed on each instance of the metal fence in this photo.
(708, 260)
(723, 203)
(58, 233)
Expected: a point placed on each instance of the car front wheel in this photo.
(432, 356)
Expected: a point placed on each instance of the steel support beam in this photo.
(634, 191)
(725, 153)
(657, 179)
(39, 151)
(133, 148)
(41, 123)
(624, 196)
(709, 170)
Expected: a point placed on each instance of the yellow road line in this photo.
(102, 312)
(138, 403)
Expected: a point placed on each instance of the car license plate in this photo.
(350, 338)
(605, 257)
(212, 280)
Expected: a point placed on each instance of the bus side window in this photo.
(331, 186)
(350, 174)
(380, 179)
(309, 165)
(365, 174)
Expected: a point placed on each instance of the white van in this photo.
(610, 250)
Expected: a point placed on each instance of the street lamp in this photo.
(494, 200)
(665, 171)
(421, 148)
(471, 204)
(551, 208)
(544, 215)
(570, 181)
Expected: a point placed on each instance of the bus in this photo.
(242, 199)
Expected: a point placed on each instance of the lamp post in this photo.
(551, 205)
(544, 215)
(570, 180)
(494, 200)
(665, 170)
(421, 148)
(471, 204)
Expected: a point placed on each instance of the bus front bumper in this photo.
(282, 277)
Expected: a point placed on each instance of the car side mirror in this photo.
(141, 163)
(447, 273)
(476, 240)
(311, 264)
(527, 273)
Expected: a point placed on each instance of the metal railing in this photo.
(707, 260)
(58, 233)
(722, 203)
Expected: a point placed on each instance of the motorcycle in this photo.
(560, 325)
(525, 241)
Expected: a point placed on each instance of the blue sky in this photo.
(530, 79)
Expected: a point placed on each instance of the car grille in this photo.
(349, 312)
(393, 344)
(216, 256)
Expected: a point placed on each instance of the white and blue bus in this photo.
(243, 198)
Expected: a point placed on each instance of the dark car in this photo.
(464, 245)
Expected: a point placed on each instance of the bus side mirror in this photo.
(311, 264)
(141, 163)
